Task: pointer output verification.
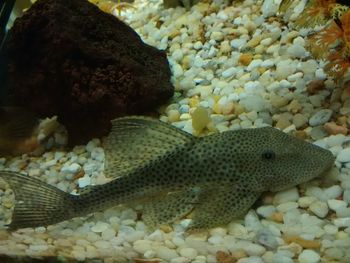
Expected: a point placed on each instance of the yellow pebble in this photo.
(200, 119)
(193, 102)
(173, 115)
(217, 108)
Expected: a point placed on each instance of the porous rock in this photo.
(68, 58)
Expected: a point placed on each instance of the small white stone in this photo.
(189, 253)
(84, 181)
(343, 212)
(149, 254)
(330, 229)
(99, 227)
(320, 117)
(266, 211)
(333, 192)
(268, 63)
(285, 68)
(72, 168)
(342, 222)
(255, 63)
(165, 253)
(290, 195)
(309, 256)
(344, 156)
(346, 196)
(335, 204)
(142, 246)
(287, 206)
(269, 8)
(319, 208)
(297, 51)
(229, 72)
(238, 43)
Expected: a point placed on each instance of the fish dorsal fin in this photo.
(136, 141)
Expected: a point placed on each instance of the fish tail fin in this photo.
(37, 203)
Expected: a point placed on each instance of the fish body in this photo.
(215, 178)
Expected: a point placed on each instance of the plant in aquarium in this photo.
(333, 44)
(333, 41)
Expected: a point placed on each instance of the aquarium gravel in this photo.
(235, 66)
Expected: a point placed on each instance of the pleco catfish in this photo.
(215, 178)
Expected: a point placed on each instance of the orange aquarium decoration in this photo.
(332, 42)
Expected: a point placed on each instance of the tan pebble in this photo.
(282, 123)
(80, 174)
(302, 242)
(346, 92)
(237, 254)
(342, 120)
(300, 134)
(7, 202)
(255, 41)
(225, 46)
(186, 62)
(166, 228)
(294, 106)
(223, 257)
(267, 198)
(333, 129)
(315, 86)
(4, 235)
(261, 70)
(277, 217)
(278, 101)
(200, 119)
(245, 59)
(238, 109)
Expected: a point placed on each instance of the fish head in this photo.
(280, 161)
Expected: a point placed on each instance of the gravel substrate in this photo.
(234, 67)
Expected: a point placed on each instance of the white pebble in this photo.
(229, 72)
(290, 195)
(99, 227)
(346, 196)
(309, 256)
(266, 211)
(319, 208)
(84, 181)
(72, 168)
(320, 117)
(189, 253)
(333, 192)
(335, 204)
(287, 206)
(342, 222)
(344, 156)
(165, 253)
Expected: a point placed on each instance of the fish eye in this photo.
(268, 155)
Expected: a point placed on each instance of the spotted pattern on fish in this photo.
(214, 178)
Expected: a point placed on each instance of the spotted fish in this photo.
(215, 178)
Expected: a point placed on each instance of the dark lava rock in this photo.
(68, 58)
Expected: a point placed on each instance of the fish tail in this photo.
(37, 203)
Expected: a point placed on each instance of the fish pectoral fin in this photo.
(220, 205)
(136, 141)
(169, 208)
